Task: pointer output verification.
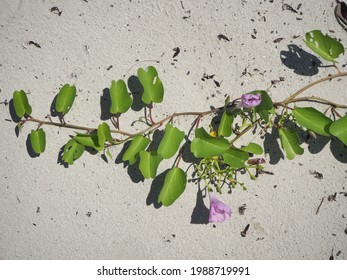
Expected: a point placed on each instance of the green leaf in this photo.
(266, 101)
(235, 158)
(152, 85)
(206, 146)
(171, 141)
(65, 99)
(21, 103)
(138, 144)
(290, 142)
(252, 148)
(90, 140)
(324, 45)
(149, 162)
(224, 128)
(109, 154)
(72, 151)
(121, 101)
(312, 119)
(339, 129)
(174, 185)
(38, 140)
(104, 134)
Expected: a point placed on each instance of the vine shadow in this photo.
(136, 90)
(272, 147)
(200, 214)
(156, 186)
(105, 104)
(302, 62)
(60, 158)
(30, 150)
(14, 116)
(53, 112)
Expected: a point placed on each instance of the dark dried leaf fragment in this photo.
(35, 44)
(56, 11)
(288, 7)
(278, 40)
(244, 232)
(177, 51)
(221, 36)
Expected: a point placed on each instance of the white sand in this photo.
(283, 220)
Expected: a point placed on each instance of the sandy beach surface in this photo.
(99, 210)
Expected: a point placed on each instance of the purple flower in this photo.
(249, 100)
(219, 211)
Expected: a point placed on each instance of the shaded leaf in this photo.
(138, 144)
(152, 85)
(224, 128)
(174, 185)
(290, 142)
(149, 162)
(235, 158)
(339, 129)
(65, 99)
(89, 140)
(104, 134)
(266, 101)
(171, 141)
(38, 140)
(206, 146)
(252, 148)
(121, 101)
(324, 45)
(312, 119)
(21, 103)
(72, 151)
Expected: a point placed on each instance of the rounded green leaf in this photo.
(21, 103)
(312, 119)
(90, 140)
(38, 140)
(104, 134)
(138, 144)
(72, 151)
(290, 142)
(339, 129)
(235, 158)
(206, 146)
(65, 99)
(174, 185)
(152, 85)
(224, 128)
(324, 45)
(149, 162)
(253, 148)
(171, 141)
(121, 101)
(266, 101)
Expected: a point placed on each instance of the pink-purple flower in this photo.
(219, 211)
(249, 100)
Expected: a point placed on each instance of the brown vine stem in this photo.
(340, 74)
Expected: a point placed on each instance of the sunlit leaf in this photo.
(235, 158)
(89, 140)
(72, 151)
(312, 119)
(38, 140)
(138, 144)
(121, 101)
(206, 146)
(324, 45)
(290, 142)
(174, 185)
(339, 129)
(152, 85)
(108, 153)
(104, 134)
(149, 162)
(65, 99)
(21, 103)
(171, 141)
(224, 128)
(252, 148)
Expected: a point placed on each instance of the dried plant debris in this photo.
(207, 77)
(278, 40)
(55, 10)
(221, 36)
(341, 13)
(242, 209)
(289, 8)
(35, 44)
(177, 51)
(316, 174)
(244, 232)
(332, 197)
